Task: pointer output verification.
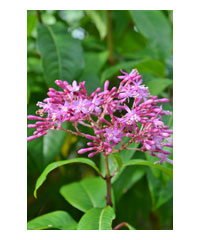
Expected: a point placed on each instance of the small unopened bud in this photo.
(162, 100)
(84, 150)
(106, 85)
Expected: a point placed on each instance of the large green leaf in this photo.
(62, 56)
(100, 21)
(166, 170)
(156, 28)
(91, 193)
(97, 219)
(94, 61)
(56, 220)
(55, 165)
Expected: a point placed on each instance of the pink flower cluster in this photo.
(108, 114)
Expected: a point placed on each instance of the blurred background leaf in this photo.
(154, 25)
(62, 56)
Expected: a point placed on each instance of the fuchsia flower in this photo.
(108, 115)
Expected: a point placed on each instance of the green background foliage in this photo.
(92, 46)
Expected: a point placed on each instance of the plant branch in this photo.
(39, 16)
(111, 58)
(108, 182)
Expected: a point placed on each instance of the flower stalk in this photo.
(108, 178)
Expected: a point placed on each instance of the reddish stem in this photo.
(121, 225)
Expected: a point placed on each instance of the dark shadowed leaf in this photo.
(128, 177)
(52, 144)
(160, 194)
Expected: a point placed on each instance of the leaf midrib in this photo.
(100, 218)
(89, 195)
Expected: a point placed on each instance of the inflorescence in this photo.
(108, 114)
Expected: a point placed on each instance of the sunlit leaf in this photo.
(97, 219)
(31, 23)
(117, 159)
(91, 193)
(99, 19)
(56, 220)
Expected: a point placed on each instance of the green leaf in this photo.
(100, 21)
(111, 71)
(52, 144)
(58, 219)
(117, 159)
(156, 28)
(126, 179)
(55, 165)
(34, 65)
(165, 195)
(152, 66)
(97, 219)
(62, 56)
(167, 171)
(128, 154)
(91, 193)
(160, 194)
(130, 42)
(94, 61)
(93, 64)
(158, 85)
